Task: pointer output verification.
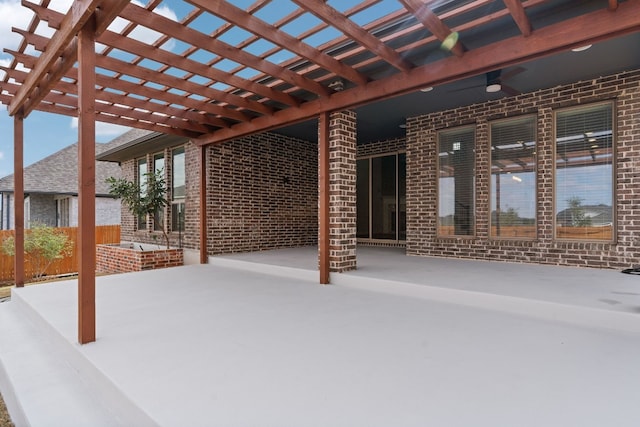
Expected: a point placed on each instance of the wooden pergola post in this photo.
(86, 184)
(18, 198)
(323, 197)
(204, 256)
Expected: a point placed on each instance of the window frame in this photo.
(474, 128)
(534, 117)
(614, 198)
(369, 159)
(142, 222)
(162, 211)
(177, 201)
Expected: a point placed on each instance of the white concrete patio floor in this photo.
(462, 343)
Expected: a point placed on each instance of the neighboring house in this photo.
(489, 181)
(588, 215)
(51, 189)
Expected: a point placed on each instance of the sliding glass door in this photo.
(381, 197)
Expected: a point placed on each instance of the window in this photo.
(142, 179)
(456, 182)
(62, 212)
(513, 178)
(381, 197)
(584, 173)
(177, 189)
(158, 216)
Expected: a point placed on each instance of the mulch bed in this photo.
(5, 421)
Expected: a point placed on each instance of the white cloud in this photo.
(1, 155)
(141, 33)
(103, 129)
(12, 14)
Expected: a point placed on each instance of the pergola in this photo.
(220, 71)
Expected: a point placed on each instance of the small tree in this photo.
(143, 199)
(579, 217)
(43, 245)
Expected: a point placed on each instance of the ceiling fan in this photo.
(496, 82)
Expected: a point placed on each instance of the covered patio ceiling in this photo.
(219, 70)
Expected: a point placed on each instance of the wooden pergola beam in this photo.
(61, 51)
(323, 197)
(86, 184)
(431, 21)
(172, 120)
(328, 14)
(519, 15)
(18, 199)
(202, 209)
(164, 25)
(243, 19)
(508, 52)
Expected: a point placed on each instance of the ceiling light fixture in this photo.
(493, 81)
(426, 89)
(581, 48)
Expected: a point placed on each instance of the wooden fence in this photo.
(69, 264)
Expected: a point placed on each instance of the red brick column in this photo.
(342, 191)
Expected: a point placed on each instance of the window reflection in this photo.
(456, 182)
(584, 173)
(513, 178)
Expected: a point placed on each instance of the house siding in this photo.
(623, 89)
(42, 210)
(107, 211)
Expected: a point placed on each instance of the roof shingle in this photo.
(58, 173)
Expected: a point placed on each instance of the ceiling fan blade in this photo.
(512, 73)
(460, 89)
(509, 90)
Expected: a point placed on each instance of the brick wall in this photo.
(261, 194)
(623, 88)
(116, 259)
(342, 191)
(377, 148)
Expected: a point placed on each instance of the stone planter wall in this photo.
(120, 259)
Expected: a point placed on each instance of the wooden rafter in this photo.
(110, 97)
(61, 51)
(328, 14)
(142, 50)
(501, 54)
(247, 21)
(431, 21)
(519, 15)
(161, 24)
(214, 104)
